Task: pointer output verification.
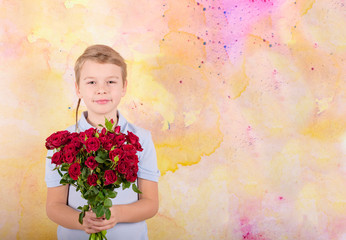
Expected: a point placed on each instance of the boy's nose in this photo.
(101, 89)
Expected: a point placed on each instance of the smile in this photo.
(102, 101)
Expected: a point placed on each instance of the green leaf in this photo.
(112, 194)
(90, 193)
(81, 216)
(108, 214)
(64, 182)
(108, 124)
(85, 207)
(100, 211)
(108, 203)
(92, 201)
(126, 185)
(64, 167)
(95, 190)
(135, 189)
(100, 125)
(100, 196)
(116, 159)
(104, 191)
(85, 172)
(59, 173)
(102, 154)
(99, 159)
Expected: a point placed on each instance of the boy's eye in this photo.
(91, 82)
(112, 82)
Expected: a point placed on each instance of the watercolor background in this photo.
(245, 100)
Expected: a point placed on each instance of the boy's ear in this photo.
(77, 90)
(124, 89)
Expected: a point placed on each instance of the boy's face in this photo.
(101, 88)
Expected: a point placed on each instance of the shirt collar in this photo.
(83, 124)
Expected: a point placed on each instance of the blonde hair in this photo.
(100, 54)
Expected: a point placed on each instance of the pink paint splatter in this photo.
(250, 138)
(261, 0)
(240, 17)
(248, 232)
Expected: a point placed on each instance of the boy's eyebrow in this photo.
(117, 77)
(88, 78)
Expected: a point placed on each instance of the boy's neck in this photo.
(95, 120)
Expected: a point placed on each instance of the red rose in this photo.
(110, 136)
(57, 139)
(131, 175)
(107, 143)
(110, 177)
(138, 146)
(102, 139)
(103, 131)
(131, 138)
(115, 152)
(120, 139)
(69, 157)
(83, 137)
(131, 160)
(117, 129)
(92, 179)
(76, 142)
(91, 163)
(70, 148)
(92, 144)
(134, 140)
(90, 132)
(73, 135)
(129, 149)
(74, 171)
(121, 167)
(57, 158)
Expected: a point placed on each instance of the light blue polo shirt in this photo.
(147, 169)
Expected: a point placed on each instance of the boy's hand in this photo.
(92, 224)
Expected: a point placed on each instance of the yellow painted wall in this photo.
(245, 101)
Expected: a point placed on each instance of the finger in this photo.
(92, 216)
(89, 229)
(99, 229)
(98, 223)
(107, 224)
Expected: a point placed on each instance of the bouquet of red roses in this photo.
(96, 163)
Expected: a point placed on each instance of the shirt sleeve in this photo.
(52, 177)
(147, 167)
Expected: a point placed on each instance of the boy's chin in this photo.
(105, 113)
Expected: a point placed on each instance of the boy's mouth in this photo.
(102, 101)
